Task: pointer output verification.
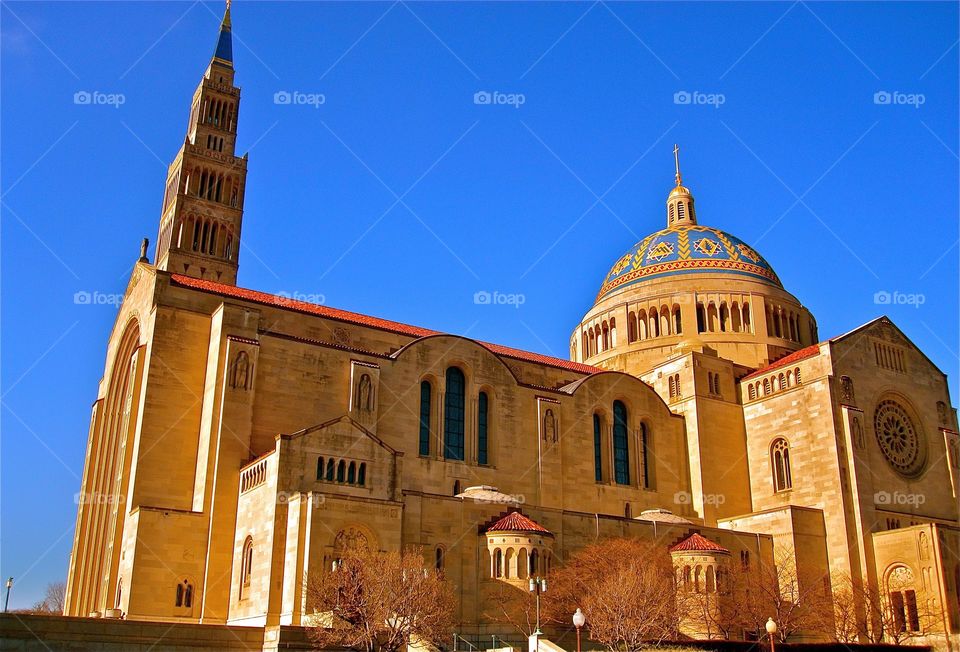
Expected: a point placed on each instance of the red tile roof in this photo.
(697, 543)
(278, 301)
(796, 356)
(517, 522)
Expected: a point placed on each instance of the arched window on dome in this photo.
(701, 318)
(642, 325)
(613, 332)
(621, 445)
(454, 415)
(631, 327)
(654, 323)
(664, 320)
(712, 317)
(677, 323)
(606, 336)
(724, 317)
(586, 345)
(736, 324)
(592, 347)
(780, 462)
(746, 319)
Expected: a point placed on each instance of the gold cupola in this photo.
(680, 209)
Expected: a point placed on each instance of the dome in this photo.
(687, 249)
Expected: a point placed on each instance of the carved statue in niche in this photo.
(350, 540)
(924, 546)
(365, 394)
(549, 427)
(240, 372)
(846, 390)
(858, 435)
(941, 413)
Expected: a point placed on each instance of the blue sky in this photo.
(791, 150)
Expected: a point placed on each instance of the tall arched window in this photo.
(498, 563)
(341, 471)
(425, 395)
(780, 460)
(453, 415)
(362, 474)
(330, 465)
(439, 558)
(246, 566)
(352, 473)
(483, 406)
(597, 449)
(184, 595)
(534, 563)
(647, 457)
(621, 446)
(320, 468)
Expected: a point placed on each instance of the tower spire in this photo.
(680, 201)
(203, 206)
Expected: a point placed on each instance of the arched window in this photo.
(352, 473)
(597, 449)
(534, 563)
(456, 487)
(482, 425)
(341, 471)
(647, 457)
(330, 465)
(711, 583)
(701, 319)
(673, 387)
(677, 323)
(498, 563)
(320, 468)
(425, 394)
(453, 415)
(766, 386)
(362, 474)
(780, 461)
(621, 447)
(246, 566)
(676, 382)
(184, 597)
(752, 391)
(796, 374)
(627, 510)
(439, 559)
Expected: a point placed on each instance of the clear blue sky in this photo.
(844, 196)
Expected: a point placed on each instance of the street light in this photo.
(771, 630)
(578, 620)
(538, 585)
(7, 601)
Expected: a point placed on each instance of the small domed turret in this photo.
(680, 202)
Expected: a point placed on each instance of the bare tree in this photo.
(53, 601)
(625, 588)
(511, 606)
(796, 597)
(380, 602)
(864, 613)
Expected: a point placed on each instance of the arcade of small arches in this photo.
(773, 384)
(519, 561)
(701, 578)
(215, 112)
(341, 471)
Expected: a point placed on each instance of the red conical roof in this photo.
(697, 543)
(517, 522)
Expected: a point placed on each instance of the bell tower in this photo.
(680, 202)
(202, 212)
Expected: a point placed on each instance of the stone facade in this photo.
(240, 441)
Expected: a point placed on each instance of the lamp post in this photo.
(6, 602)
(538, 585)
(771, 630)
(578, 620)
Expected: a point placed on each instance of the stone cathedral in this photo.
(241, 440)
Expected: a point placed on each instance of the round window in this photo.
(899, 439)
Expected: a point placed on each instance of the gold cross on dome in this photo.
(676, 160)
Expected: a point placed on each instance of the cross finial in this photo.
(676, 160)
(228, 5)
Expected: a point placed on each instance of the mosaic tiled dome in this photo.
(687, 249)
